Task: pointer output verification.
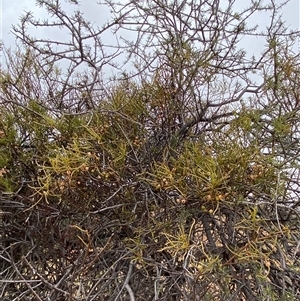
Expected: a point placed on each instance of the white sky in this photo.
(11, 10)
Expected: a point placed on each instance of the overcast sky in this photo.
(11, 10)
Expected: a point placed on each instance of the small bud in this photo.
(183, 201)
(208, 197)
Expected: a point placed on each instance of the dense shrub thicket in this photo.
(174, 184)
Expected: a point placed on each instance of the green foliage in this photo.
(281, 126)
(79, 163)
(172, 185)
